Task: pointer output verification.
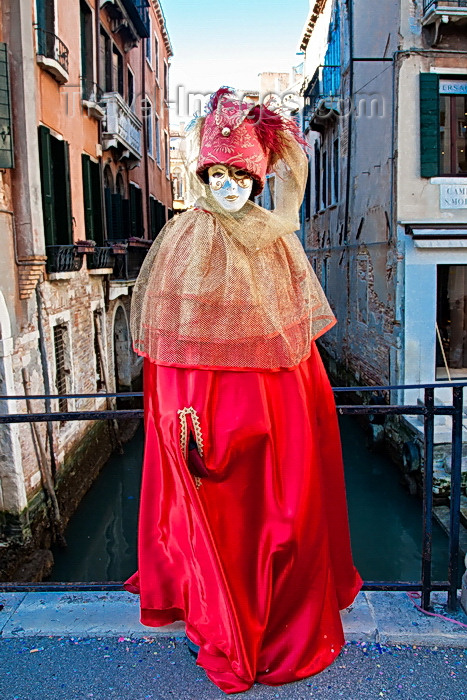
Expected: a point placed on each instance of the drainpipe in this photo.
(350, 10)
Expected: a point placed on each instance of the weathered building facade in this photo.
(385, 216)
(85, 187)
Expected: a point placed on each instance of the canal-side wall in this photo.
(31, 558)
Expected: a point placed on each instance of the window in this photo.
(443, 126)
(45, 15)
(97, 322)
(335, 168)
(324, 274)
(156, 56)
(453, 127)
(60, 337)
(87, 51)
(6, 120)
(148, 125)
(317, 155)
(131, 89)
(105, 62)
(158, 141)
(117, 71)
(136, 211)
(158, 218)
(92, 200)
(166, 82)
(324, 179)
(451, 322)
(166, 154)
(55, 186)
(148, 44)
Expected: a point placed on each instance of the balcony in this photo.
(128, 264)
(63, 258)
(121, 128)
(130, 18)
(444, 10)
(52, 55)
(101, 258)
(91, 96)
(322, 97)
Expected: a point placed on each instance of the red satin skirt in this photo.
(255, 557)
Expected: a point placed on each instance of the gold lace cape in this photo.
(232, 291)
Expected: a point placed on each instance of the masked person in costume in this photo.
(243, 530)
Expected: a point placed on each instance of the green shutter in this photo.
(48, 208)
(96, 198)
(87, 197)
(429, 125)
(68, 215)
(6, 123)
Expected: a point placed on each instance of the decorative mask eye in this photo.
(243, 178)
(218, 175)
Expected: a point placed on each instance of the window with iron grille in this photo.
(61, 370)
(97, 349)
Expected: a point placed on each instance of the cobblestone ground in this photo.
(54, 668)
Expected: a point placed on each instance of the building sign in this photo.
(6, 139)
(453, 87)
(453, 196)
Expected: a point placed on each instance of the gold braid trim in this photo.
(182, 413)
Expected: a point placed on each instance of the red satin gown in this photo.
(257, 559)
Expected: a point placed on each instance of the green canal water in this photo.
(385, 520)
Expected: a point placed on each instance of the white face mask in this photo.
(230, 187)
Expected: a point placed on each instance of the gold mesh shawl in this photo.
(234, 291)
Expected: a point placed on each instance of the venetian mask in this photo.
(230, 187)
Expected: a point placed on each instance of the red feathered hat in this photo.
(244, 136)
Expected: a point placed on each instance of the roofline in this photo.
(310, 24)
(163, 25)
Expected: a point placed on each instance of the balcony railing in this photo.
(427, 411)
(130, 17)
(63, 258)
(323, 93)
(445, 7)
(121, 128)
(100, 258)
(128, 265)
(52, 54)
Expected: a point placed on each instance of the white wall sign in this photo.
(453, 196)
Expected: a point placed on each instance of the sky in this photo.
(229, 43)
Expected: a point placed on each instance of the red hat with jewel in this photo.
(243, 135)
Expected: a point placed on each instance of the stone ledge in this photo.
(385, 617)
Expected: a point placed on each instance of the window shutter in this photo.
(117, 216)
(6, 122)
(429, 125)
(45, 158)
(133, 215)
(68, 232)
(126, 218)
(87, 197)
(96, 198)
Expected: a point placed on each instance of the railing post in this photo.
(455, 498)
(427, 499)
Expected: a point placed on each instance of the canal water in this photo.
(385, 521)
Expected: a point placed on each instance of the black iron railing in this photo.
(428, 410)
(127, 266)
(63, 258)
(50, 46)
(443, 4)
(100, 258)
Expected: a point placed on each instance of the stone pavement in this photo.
(80, 645)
